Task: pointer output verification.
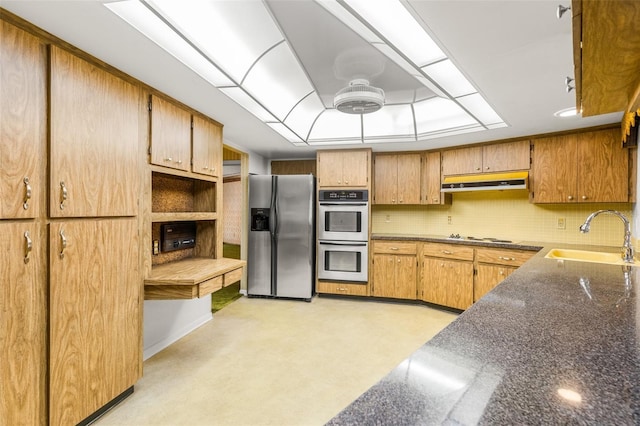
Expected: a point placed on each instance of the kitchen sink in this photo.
(588, 256)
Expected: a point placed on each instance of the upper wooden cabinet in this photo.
(170, 135)
(94, 127)
(431, 180)
(486, 159)
(23, 110)
(587, 167)
(606, 56)
(207, 147)
(396, 179)
(344, 168)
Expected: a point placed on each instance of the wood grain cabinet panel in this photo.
(492, 158)
(395, 269)
(587, 167)
(94, 124)
(432, 180)
(397, 179)
(342, 288)
(170, 135)
(23, 109)
(447, 282)
(344, 168)
(23, 319)
(95, 293)
(489, 276)
(207, 147)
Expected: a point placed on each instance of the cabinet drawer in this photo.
(503, 256)
(209, 286)
(341, 288)
(232, 276)
(449, 251)
(394, 247)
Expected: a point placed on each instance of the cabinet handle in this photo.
(393, 200)
(63, 194)
(442, 265)
(168, 159)
(584, 197)
(501, 272)
(205, 168)
(506, 258)
(447, 252)
(63, 243)
(436, 200)
(346, 182)
(28, 246)
(478, 169)
(338, 180)
(570, 197)
(213, 169)
(27, 193)
(487, 167)
(398, 261)
(179, 161)
(393, 248)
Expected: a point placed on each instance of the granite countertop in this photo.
(554, 343)
(520, 245)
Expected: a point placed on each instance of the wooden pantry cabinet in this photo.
(396, 178)
(23, 110)
(493, 265)
(587, 167)
(492, 158)
(343, 168)
(447, 274)
(395, 269)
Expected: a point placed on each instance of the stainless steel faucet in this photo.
(627, 249)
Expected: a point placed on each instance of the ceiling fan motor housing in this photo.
(359, 98)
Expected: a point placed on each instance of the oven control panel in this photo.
(343, 195)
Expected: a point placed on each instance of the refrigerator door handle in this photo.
(273, 212)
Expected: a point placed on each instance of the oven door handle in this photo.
(343, 204)
(334, 243)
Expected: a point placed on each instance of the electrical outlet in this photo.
(387, 218)
(562, 223)
(156, 247)
(449, 220)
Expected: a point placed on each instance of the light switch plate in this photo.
(562, 223)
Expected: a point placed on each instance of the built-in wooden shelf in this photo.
(181, 217)
(191, 278)
(181, 173)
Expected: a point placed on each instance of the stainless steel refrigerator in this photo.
(281, 252)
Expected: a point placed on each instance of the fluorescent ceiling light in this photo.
(242, 98)
(146, 22)
(285, 132)
(277, 81)
(302, 117)
(449, 78)
(394, 120)
(234, 34)
(567, 112)
(480, 109)
(349, 20)
(438, 114)
(335, 125)
(397, 25)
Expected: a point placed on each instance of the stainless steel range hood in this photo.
(485, 182)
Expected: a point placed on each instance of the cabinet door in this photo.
(406, 277)
(385, 181)
(431, 181)
(170, 135)
(603, 167)
(355, 168)
(95, 321)
(329, 166)
(462, 161)
(384, 275)
(503, 157)
(23, 310)
(94, 140)
(23, 118)
(408, 179)
(447, 282)
(207, 147)
(554, 170)
(488, 277)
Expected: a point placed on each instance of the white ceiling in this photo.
(516, 52)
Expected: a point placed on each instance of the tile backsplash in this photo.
(505, 215)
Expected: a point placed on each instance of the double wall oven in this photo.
(343, 235)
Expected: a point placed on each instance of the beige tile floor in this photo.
(276, 362)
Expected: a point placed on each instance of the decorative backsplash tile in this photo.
(504, 215)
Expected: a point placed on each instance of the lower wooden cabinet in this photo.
(489, 276)
(447, 282)
(23, 318)
(395, 269)
(95, 315)
(331, 287)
